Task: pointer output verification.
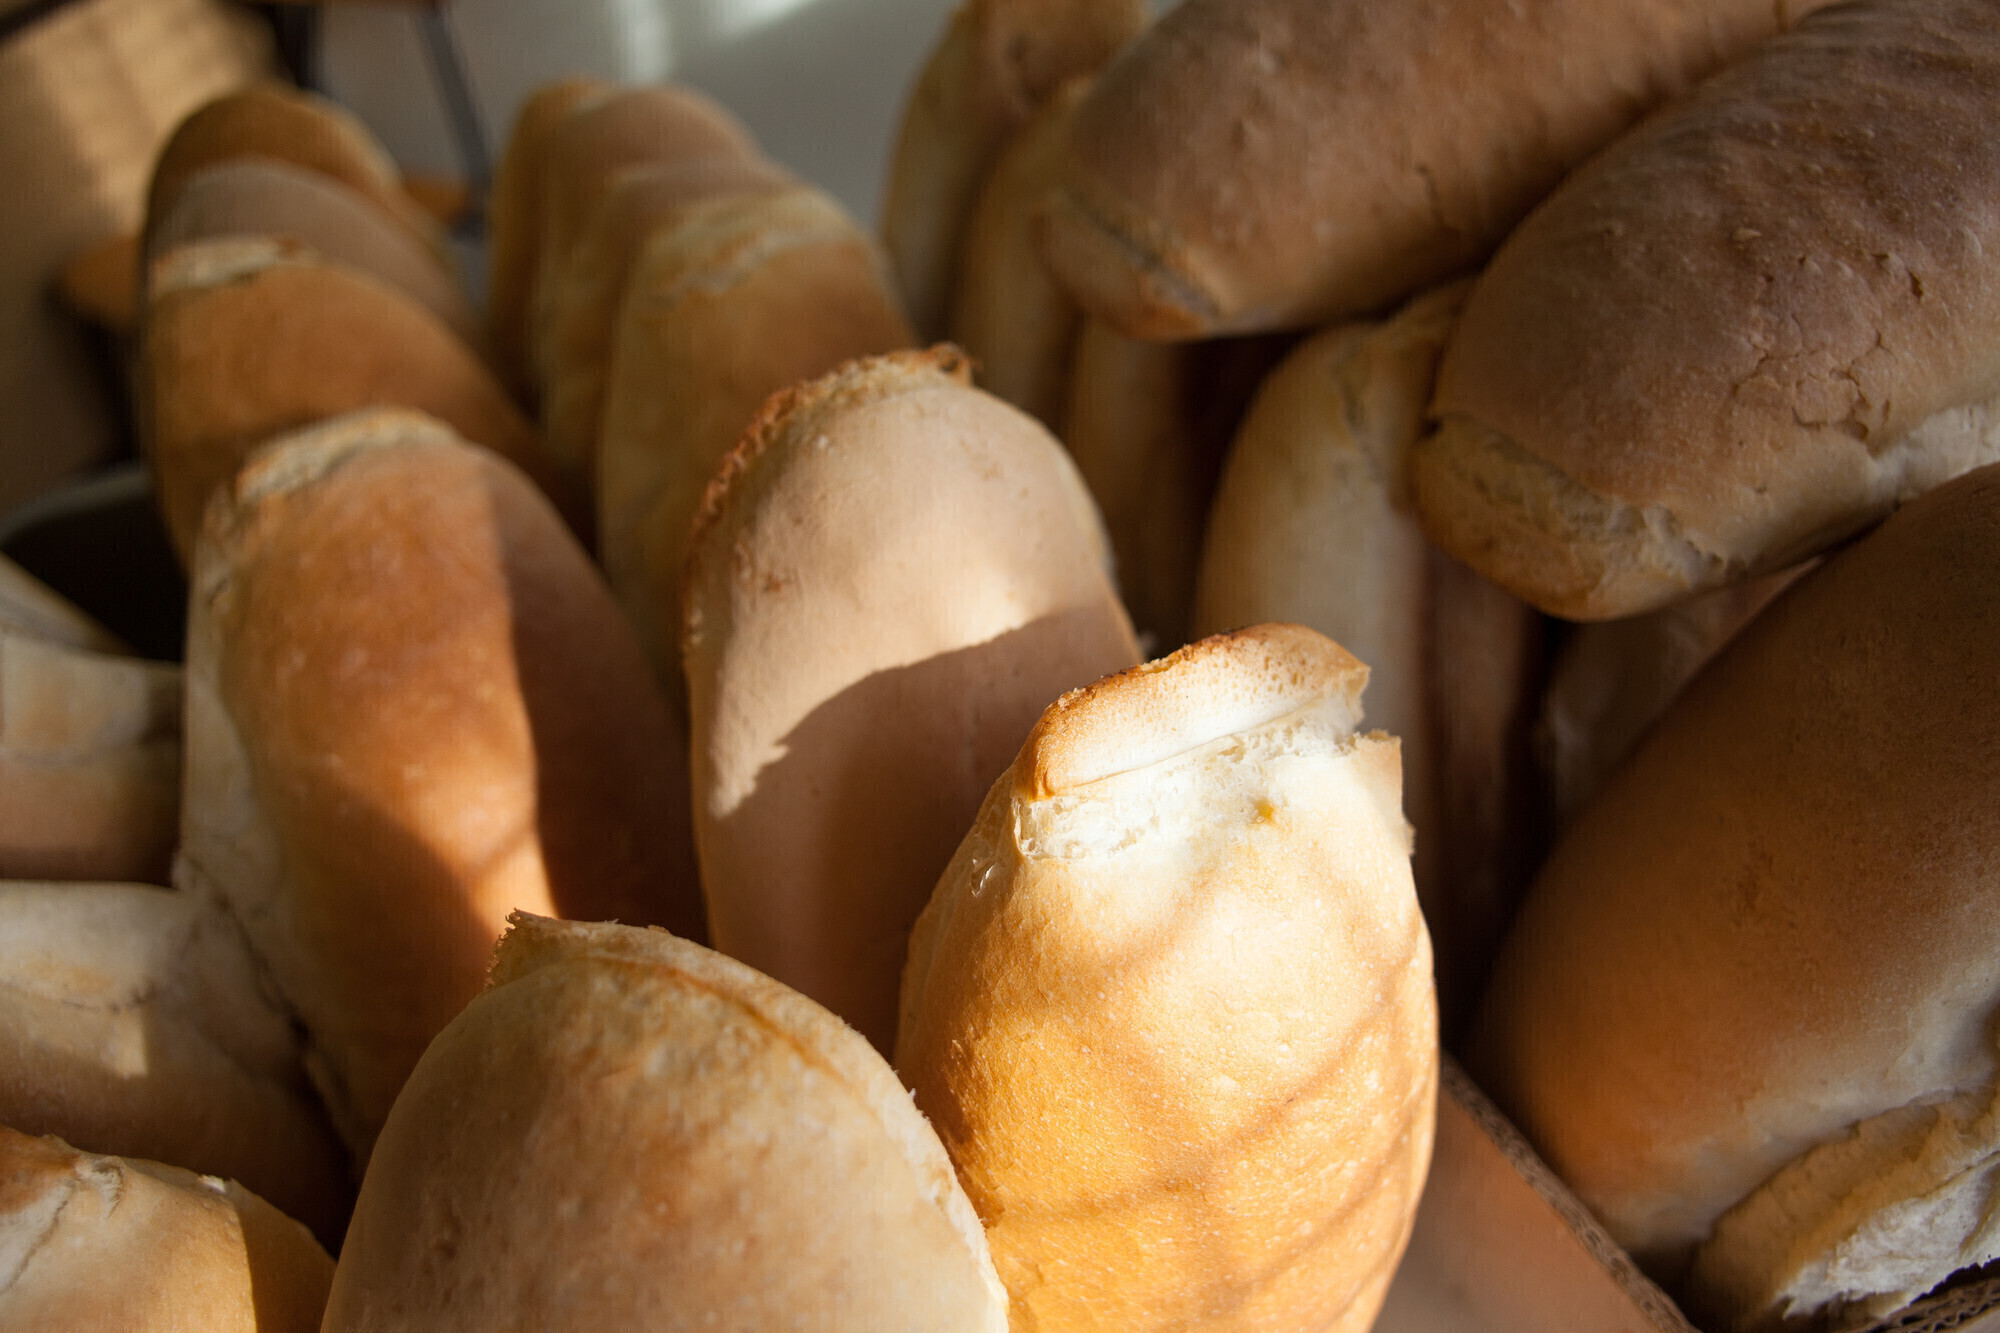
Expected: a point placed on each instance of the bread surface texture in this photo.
(1170, 1007)
(1747, 1010)
(413, 708)
(91, 1242)
(1743, 333)
(891, 576)
(629, 1131)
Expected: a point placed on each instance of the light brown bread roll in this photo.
(1170, 1008)
(629, 1131)
(413, 708)
(1619, 429)
(997, 61)
(133, 1021)
(263, 197)
(646, 201)
(891, 575)
(1311, 525)
(1278, 163)
(1748, 1008)
(90, 762)
(514, 222)
(746, 296)
(29, 606)
(90, 1243)
(246, 338)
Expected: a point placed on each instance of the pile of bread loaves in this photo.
(682, 591)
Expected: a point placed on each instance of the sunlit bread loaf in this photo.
(1258, 164)
(89, 1243)
(629, 1131)
(133, 1021)
(997, 61)
(1748, 1008)
(1170, 1008)
(891, 576)
(1744, 332)
(413, 708)
(744, 297)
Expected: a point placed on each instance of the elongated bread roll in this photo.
(1170, 1008)
(1007, 312)
(1748, 1009)
(90, 763)
(247, 338)
(746, 296)
(629, 1131)
(585, 321)
(891, 576)
(1619, 430)
(262, 197)
(90, 1243)
(1276, 163)
(413, 708)
(1311, 524)
(29, 606)
(514, 223)
(132, 1021)
(997, 61)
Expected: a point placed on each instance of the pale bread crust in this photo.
(996, 63)
(90, 1243)
(246, 338)
(1311, 524)
(133, 1021)
(1372, 148)
(629, 1131)
(29, 606)
(892, 574)
(1620, 431)
(413, 708)
(1776, 924)
(744, 297)
(262, 197)
(1170, 1008)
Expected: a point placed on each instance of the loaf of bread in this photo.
(246, 338)
(746, 296)
(997, 61)
(1259, 164)
(1311, 524)
(1170, 1008)
(628, 1131)
(261, 197)
(1748, 1008)
(412, 708)
(890, 577)
(133, 1021)
(1744, 332)
(89, 1243)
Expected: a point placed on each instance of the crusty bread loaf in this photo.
(90, 762)
(1748, 1007)
(89, 1243)
(246, 338)
(584, 325)
(29, 606)
(133, 1021)
(891, 575)
(1170, 1008)
(514, 223)
(413, 707)
(1006, 311)
(997, 61)
(629, 1131)
(1311, 525)
(744, 297)
(262, 197)
(1621, 428)
(1259, 164)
